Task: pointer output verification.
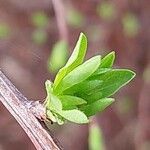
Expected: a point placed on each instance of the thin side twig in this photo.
(18, 106)
(61, 19)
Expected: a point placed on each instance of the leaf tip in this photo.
(86, 121)
(113, 53)
(82, 36)
(111, 100)
(48, 84)
(133, 74)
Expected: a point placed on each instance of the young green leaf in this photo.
(87, 86)
(51, 116)
(79, 74)
(58, 56)
(48, 86)
(60, 120)
(75, 60)
(54, 103)
(108, 60)
(49, 89)
(75, 116)
(71, 101)
(97, 106)
(112, 82)
(106, 64)
(100, 71)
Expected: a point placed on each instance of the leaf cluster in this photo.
(82, 89)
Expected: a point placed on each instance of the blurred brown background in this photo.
(28, 32)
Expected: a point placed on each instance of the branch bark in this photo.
(21, 109)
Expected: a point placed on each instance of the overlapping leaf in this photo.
(74, 116)
(69, 101)
(98, 106)
(87, 86)
(79, 74)
(76, 59)
(108, 60)
(112, 82)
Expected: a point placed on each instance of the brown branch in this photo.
(20, 108)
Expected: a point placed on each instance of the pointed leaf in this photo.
(75, 116)
(112, 82)
(50, 116)
(59, 119)
(100, 71)
(75, 60)
(48, 86)
(71, 101)
(108, 60)
(53, 103)
(87, 86)
(97, 106)
(49, 89)
(79, 74)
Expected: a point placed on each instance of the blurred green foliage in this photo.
(95, 33)
(130, 25)
(75, 18)
(106, 10)
(146, 74)
(39, 36)
(96, 141)
(125, 106)
(58, 56)
(4, 30)
(39, 19)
